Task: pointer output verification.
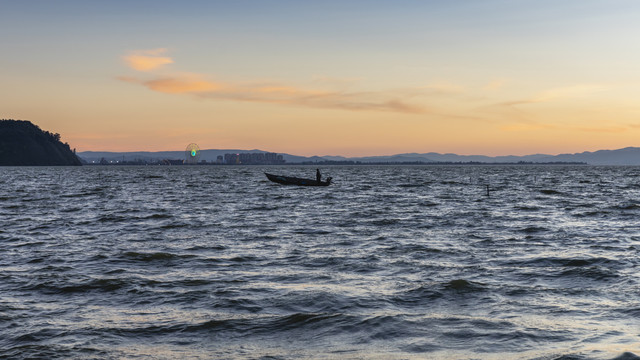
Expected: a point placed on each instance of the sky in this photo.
(346, 77)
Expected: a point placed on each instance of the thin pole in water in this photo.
(487, 189)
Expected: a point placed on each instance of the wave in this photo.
(626, 206)
(533, 229)
(412, 185)
(411, 249)
(462, 285)
(565, 262)
(627, 356)
(52, 351)
(596, 273)
(527, 208)
(426, 293)
(550, 192)
(156, 216)
(176, 225)
(46, 285)
(153, 256)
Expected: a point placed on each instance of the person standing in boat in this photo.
(318, 175)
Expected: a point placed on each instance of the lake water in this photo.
(389, 262)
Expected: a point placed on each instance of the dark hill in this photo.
(25, 144)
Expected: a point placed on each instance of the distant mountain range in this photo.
(626, 156)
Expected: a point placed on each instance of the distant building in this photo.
(244, 158)
(232, 159)
(253, 159)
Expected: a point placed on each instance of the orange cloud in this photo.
(147, 60)
(197, 85)
(181, 85)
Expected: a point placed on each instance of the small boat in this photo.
(288, 180)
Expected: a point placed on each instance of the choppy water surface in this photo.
(389, 262)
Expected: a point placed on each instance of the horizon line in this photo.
(367, 156)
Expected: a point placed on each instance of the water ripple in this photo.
(390, 262)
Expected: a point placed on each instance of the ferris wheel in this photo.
(192, 154)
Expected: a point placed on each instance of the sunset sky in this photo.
(345, 77)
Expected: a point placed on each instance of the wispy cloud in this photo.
(496, 84)
(190, 84)
(332, 80)
(561, 93)
(526, 127)
(200, 85)
(568, 92)
(444, 88)
(147, 60)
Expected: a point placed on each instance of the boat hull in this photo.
(289, 180)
